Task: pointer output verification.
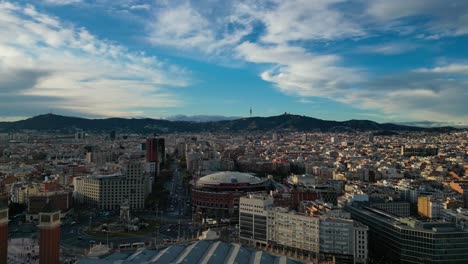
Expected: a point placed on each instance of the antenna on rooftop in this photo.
(250, 111)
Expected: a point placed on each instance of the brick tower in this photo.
(49, 238)
(3, 231)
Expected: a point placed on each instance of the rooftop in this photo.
(197, 252)
(411, 223)
(229, 177)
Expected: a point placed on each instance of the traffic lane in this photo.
(81, 233)
(85, 241)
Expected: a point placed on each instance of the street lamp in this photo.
(178, 232)
(107, 234)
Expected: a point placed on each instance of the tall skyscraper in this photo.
(49, 237)
(80, 135)
(151, 150)
(155, 150)
(161, 149)
(112, 135)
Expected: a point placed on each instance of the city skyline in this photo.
(398, 61)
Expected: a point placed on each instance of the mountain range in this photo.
(285, 122)
(201, 118)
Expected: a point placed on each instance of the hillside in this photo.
(286, 122)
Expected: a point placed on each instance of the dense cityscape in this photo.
(256, 197)
(233, 131)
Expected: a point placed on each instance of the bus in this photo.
(125, 246)
(138, 245)
(211, 221)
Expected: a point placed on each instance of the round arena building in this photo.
(217, 195)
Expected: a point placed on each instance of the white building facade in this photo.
(333, 234)
(108, 192)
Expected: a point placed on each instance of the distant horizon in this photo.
(194, 118)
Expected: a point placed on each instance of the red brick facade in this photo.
(3, 243)
(222, 198)
(61, 200)
(49, 245)
(212, 199)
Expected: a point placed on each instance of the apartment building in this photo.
(294, 232)
(262, 224)
(253, 219)
(429, 207)
(344, 239)
(108, 192)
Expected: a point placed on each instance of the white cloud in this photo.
(388, 48)
(298, 72)
(183, 26)
(447, 18)
(455, 68)
(83, 73)
(80, 72)
(388, 10)
(210, 28)
(282, 36)
(306, 101)
(431, 94)
(421, 95)
(140, 7)
(293, 69)
(62, 2)
(306, 20)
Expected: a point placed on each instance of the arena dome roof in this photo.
(229, 177)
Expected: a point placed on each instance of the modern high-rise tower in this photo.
(155, 150)
(112, 135)
(151, 150)
(161, 149)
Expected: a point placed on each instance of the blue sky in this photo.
(388, 61)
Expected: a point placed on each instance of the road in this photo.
(178, 198)
(178, 213)
(176, 222)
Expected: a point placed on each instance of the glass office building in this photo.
(407, 240)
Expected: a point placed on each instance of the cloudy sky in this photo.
(389, 61)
